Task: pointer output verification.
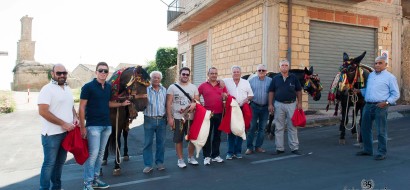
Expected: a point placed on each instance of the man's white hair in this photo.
(156, 72)
(381, 58)
(284, 61)
(235, 67)
(261, 66)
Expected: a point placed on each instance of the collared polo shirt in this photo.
(285, 90)
(156, 101)
(97, 110)
(212, 96)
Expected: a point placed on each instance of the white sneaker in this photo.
(192, 161)
(181, 163)
(217, 159)
(207, 161)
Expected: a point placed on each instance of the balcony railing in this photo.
(174, 10)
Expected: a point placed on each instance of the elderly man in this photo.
(181, 103)
(286, 90)
(213, 94)
(155, 123)
(381, 91)
(260, 112)
(56, 108)
(242, 91)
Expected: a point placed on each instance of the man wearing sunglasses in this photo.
(95, 108)
(260, 112)
(380, 91)
(56, 108)
(180, 113)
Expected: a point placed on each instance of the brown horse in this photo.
(127, 84)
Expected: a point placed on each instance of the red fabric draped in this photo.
(225, 125)
(195, 127)
(247, 115)
(75, 144)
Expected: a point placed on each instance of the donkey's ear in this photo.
(357, 60)
(311, 70)
(345, 57)
(306, 70)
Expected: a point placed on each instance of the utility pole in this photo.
(4, 53)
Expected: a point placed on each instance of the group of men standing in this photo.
(174, 107)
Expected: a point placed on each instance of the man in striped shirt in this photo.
(259, 104)
(155, 123)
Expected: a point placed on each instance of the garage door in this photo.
(199, 64)
(328, 41)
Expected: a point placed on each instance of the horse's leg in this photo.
(117, 161)
(105, 158)
(125, 135)
(345, 119)
(270, 129)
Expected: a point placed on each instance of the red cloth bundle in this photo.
(75, 144)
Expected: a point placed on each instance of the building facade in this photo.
(222, 33)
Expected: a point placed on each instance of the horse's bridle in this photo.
(308, 80)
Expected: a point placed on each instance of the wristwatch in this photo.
(387, 103)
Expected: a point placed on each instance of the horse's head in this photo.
(350, 64)
(135, 81)
(312, 84)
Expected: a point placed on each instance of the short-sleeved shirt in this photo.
(212, 96)
(97, 110)
(180, 101)
(240, 91)
(60, 102)
(285, 89)
(156, 101)
(260, 89)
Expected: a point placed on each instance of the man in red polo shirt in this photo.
(213, 94)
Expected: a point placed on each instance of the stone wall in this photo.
(238, 41)
(31, 75)
(405, 67)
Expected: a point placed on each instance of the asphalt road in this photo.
(326, 165)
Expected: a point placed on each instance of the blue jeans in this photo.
(54, 159)
(260, 113)
(234, 144)
(151, 126)
(379, 115)
(97, 137)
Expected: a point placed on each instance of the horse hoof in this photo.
(116, 172)
(342, 141)
(126, 158)
(104, 163)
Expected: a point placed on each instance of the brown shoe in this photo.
(248, 151)
(260, 150)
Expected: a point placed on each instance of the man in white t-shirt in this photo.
(56, 108)
(242, 91)
(180, 109)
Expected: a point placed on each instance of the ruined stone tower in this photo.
(25, 47)
(28, 73)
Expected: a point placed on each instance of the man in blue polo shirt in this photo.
(95, 108)
(285, 89)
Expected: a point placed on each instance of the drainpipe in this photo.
(289, 56)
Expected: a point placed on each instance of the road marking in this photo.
(275, 159)
(140, 181)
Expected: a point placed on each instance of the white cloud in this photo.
(75, 31)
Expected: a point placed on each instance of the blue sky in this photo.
(74, 31)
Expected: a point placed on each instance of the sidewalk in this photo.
(323, 118)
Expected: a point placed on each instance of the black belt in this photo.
(287, 102)
(260, 105)
(156, 117)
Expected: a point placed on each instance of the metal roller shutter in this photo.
(199, 64)
(328, 41)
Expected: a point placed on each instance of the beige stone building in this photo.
(223, 33)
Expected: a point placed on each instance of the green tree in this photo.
(166, 58)
(151, 66)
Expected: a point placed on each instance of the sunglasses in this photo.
(185, 74)
(102, 70)
(59, 73)
(261, 70)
